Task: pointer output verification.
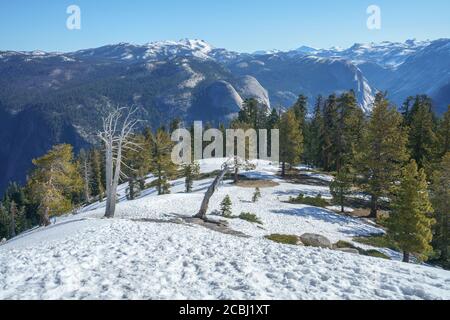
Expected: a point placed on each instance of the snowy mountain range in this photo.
(47, 98)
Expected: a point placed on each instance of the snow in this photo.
(147, 253)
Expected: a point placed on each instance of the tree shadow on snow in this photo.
(350, 226)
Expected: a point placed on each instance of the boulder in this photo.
(3, 241)
(316, 240)
(347, 250)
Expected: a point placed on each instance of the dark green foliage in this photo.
(250, 217)
(381, 152)
(440, 198)
(314, 137)
(379, 241)
(161, 162)
(283, 238)
(370, 253)
(341, 187)
(225, 207)
(310, 201)
(191, 171)
(422, 136)
(256, 195)
(409, 223)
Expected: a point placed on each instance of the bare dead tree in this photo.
(117, 135)
(209, 193)
(232, 164)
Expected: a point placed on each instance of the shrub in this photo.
(344, 245)
(256, 195)
(376, 254)
(379, 241)
(315, 202)
(283, 238)
(250, 217)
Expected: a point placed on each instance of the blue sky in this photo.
(241, 25)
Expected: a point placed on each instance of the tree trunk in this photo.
(131, 188)
(110, 206)
(45, 218)
(405, 256)
(236, 169)
(209, 193)
(283, 169)
(373, 207)
(13, 212)
(445, 227)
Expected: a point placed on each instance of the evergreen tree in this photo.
(190, 172)
(440, 198)
(329, 129)
(84, 164)
(341, 187)
(137, 164)
(314, 141)
(272, 120)
(161, 165)
(291, 140)
(175, 124)
(97, 182)
(443, 134)
(4, 222)
(225, 207)
(256, 195)
(300, 109)
(252, 114)
(422, 138)
(409, 224)
(54, 181)
(381, 153)
(13, 214)
(350, 126)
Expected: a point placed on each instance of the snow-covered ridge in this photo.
(141, 254)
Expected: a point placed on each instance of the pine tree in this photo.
(190, 172)
(137, 164)
(443, 134)
(351, 123)
(256, 195)
(329, 128)
(84, 165)
(4, 222)
(381, 152)
(291, 140)
(272, 120)
(162, 166)
(440, 198)
(341, 187)
(422, 138)
(54, 181)
(252, 114)
(409, 224)
(314, 141)
(342, 130)
(225, 207)
(13, 213)
(97, 185)
(300, 109)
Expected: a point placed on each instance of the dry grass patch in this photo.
(256, 184)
